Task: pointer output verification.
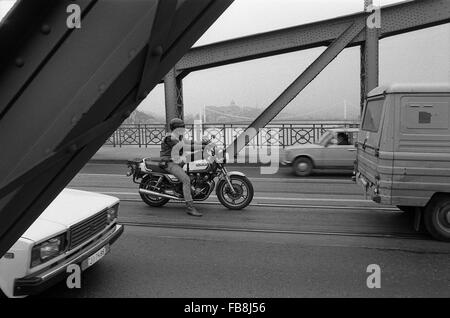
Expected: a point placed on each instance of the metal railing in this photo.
(282, 135)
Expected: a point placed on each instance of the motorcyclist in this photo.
(171, 152)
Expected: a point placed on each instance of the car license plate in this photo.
(94, 258)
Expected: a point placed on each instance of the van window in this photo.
(426, 115)
(372, 115)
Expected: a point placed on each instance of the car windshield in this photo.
(372, 115)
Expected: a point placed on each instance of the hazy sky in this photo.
(421, 56)
(5, 5)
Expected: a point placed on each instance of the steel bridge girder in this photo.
(76, 90)
(395, 19)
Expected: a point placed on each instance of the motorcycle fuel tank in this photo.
(197, 166)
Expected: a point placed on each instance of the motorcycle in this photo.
(157, 186)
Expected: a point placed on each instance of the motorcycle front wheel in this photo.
(148, 183)
(240, 198)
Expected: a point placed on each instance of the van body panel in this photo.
(422, 148)
(411, 162)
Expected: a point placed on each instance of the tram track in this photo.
(289, 206)
(185, 226)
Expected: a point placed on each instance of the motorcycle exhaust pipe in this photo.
(161, 195)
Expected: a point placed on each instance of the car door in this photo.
(351, 150)
(340, 155)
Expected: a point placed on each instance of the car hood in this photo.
(303, 147)
(42, 229)
(70, 207)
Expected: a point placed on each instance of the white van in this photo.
(403, 151)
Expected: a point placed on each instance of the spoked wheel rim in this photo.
(150, 185)
(240, 195)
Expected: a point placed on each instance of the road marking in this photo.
(303, 180)
(277, 205)
(123, 164)
(101, 175)
(259, 198)
(287, 180)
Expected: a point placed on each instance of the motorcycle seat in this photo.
(155, 166)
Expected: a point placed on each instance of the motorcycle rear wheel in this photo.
(153, 201)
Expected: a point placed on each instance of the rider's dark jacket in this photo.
(171, 141)
(167, 144)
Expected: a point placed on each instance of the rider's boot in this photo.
(191, 210)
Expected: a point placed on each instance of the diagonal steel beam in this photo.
(297, 86)
(91, 101)
(161, 27)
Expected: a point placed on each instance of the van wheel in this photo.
(302, 166)
(437, 218)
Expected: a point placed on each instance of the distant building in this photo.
(232, 113)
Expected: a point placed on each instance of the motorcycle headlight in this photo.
(47, 250)
(112, 213)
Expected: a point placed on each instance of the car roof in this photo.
(411, 88)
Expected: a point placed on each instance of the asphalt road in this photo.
(310, 237)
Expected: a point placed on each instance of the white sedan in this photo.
(335, 150)
(78, 227)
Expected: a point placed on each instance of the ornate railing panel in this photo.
(281, 135)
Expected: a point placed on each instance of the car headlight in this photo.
(112, 213)
(47, 250)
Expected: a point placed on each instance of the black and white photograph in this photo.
(221, 156)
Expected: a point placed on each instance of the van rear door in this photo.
(369, 140)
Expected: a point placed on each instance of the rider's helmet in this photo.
(176, 123)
